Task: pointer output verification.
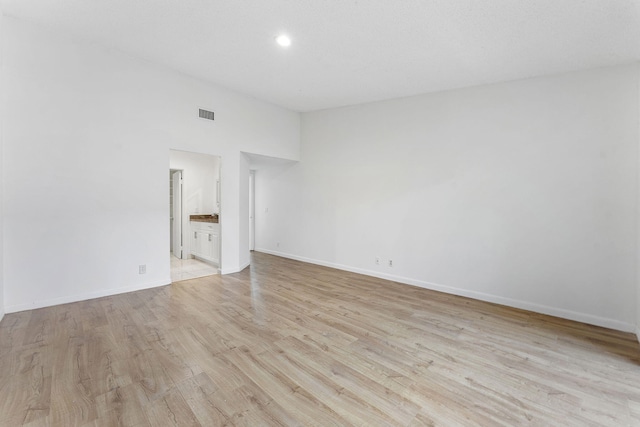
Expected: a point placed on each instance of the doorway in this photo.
(194, 215)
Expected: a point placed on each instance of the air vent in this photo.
(204, 114)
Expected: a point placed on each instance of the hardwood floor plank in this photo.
(39, 328)
(376, 399)
(284, 343)
(149, 374)
(29, 392)
(122, 406)
(269, 415)
(170, 410)
(175, 359)
(302, 402)
(73, 393)
(199, 393)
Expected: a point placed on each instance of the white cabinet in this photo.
(205, 248)
(215, 246)
(205, 241)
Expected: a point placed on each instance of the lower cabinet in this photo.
(205, 241)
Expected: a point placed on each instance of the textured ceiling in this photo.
(352, 51)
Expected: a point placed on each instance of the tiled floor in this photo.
(185, 269)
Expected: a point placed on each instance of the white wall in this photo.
(522, 193)
(243, 195)
(1, 174)
(638, 228)
(199, 180)
(86, 151)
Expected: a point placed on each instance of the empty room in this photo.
(319, 213)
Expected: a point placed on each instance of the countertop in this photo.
(204, 218)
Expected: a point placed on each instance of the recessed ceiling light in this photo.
(283, 40)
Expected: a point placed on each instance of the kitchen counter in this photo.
(204, 218)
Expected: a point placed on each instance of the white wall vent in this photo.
(204, 114)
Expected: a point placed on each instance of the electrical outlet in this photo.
(377, 260)
(390, 263)
(142, 269)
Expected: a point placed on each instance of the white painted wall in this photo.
(638, 227)
(86, 153)
(200, 172)
(199, 180)
(1, 174)
(243, 195)
(522, 193)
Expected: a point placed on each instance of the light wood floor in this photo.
(288, 343)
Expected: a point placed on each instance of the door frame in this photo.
(252, 210)
(179, 220)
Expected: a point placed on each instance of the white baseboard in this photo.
(85, 296)
(1, 314)
(236, 269)
(524, 305)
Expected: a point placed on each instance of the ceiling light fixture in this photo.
(283, 40)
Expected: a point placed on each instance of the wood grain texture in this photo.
(293, 344)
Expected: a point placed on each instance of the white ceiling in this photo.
(352, 51)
